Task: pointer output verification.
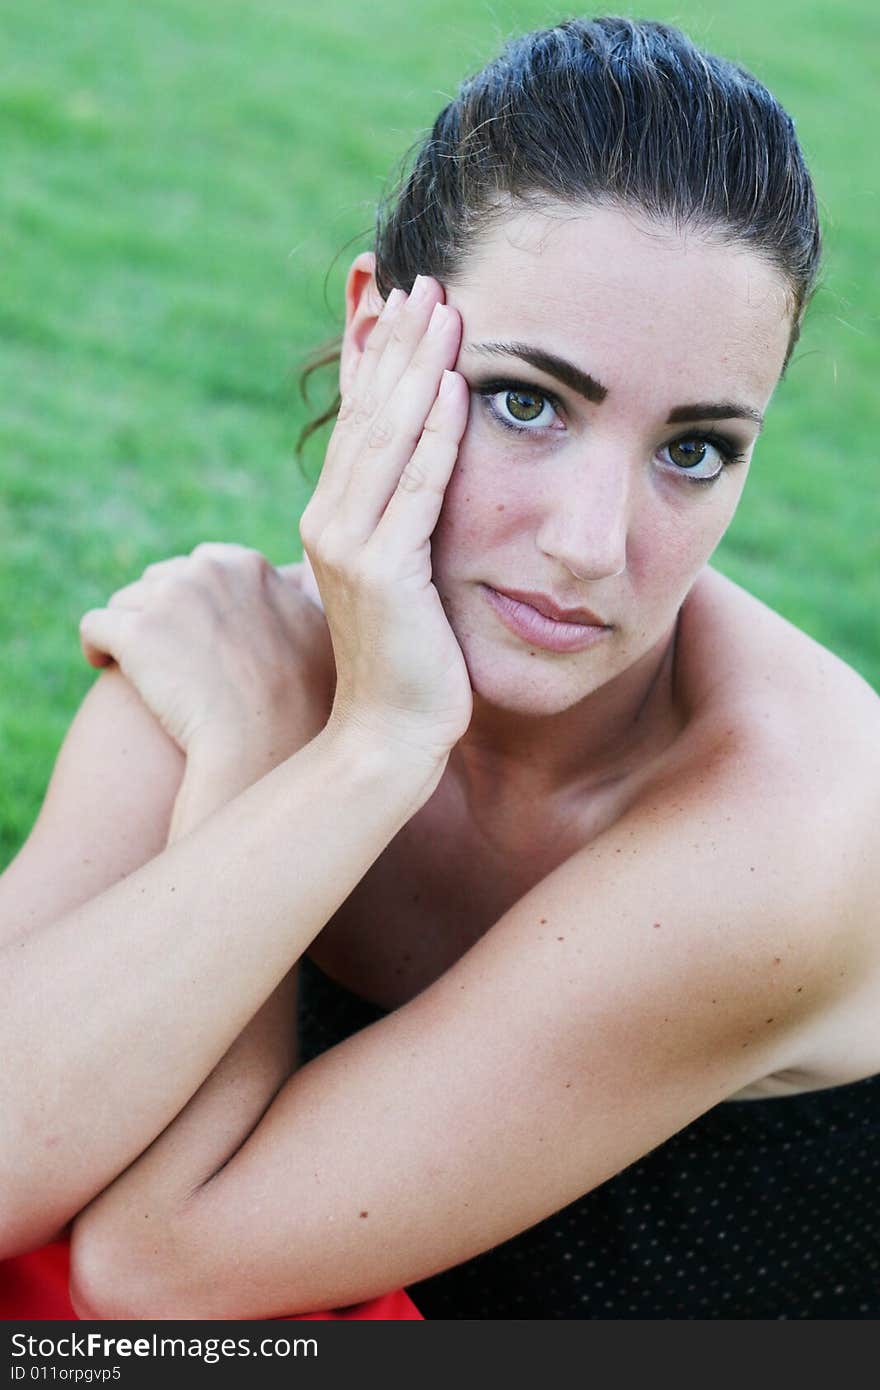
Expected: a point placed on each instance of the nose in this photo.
(586, 518)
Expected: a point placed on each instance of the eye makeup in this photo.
(496, 386)
(726, 445)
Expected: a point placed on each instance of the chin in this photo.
(536, 686)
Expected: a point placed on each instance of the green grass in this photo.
(176, 181)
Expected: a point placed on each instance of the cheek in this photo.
(480, 508)
(675, 537)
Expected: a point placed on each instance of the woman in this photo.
(583, 831)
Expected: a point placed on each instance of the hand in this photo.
(367, 528)
(224, 648)
(305, 577)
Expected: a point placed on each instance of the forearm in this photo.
(173, 963)
(216, 774)
(231, 1101)
(207, 1133)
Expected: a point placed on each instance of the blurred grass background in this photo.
(176, 181)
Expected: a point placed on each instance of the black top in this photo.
(759, 1209)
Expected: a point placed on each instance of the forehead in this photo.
(640, 306)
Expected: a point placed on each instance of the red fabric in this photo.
(33, 1287)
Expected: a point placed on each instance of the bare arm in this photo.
(571, 1039)
(194, 679)
(167, 967)
(656, 972)
(121, 786)
(234, 1097)
(106, 812)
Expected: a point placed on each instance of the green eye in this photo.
(692, 451)
(709, 452)
(517, 406)
(524, 406)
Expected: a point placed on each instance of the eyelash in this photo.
(723, 443)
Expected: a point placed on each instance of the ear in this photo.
(363, 305)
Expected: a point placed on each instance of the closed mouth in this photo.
(549, 608)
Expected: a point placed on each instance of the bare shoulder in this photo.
(106, 811)
(795, 704)
(792, 725)
(786, 742)
(684, 952)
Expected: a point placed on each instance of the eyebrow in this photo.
(566, 372)
(593, 390)
(722, 410)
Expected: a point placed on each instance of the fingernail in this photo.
(419, 289)
(393, 303)
(438, 319)
(447, 385)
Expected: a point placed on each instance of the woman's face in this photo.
(573, 481)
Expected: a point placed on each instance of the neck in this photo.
(506, 756)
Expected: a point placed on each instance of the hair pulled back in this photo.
(602, 112)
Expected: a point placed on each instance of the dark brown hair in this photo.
(603, 112)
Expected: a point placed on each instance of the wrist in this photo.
(373, 756)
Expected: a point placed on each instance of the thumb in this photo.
(100, 634)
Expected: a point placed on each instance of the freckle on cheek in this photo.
(500, 507)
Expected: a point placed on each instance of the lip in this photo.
(542, 603)
(539, 630)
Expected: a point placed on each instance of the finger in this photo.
(222, 550)
(163, 569)
(134, 595)
(397, 336)
(412, 513)
(224, 567)
(383, 331)
(395, 436)
(404, 334)
(102, 633)
(356, 410)
(390, 347)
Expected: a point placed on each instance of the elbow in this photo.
(117, 1276)
(100, 1284)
